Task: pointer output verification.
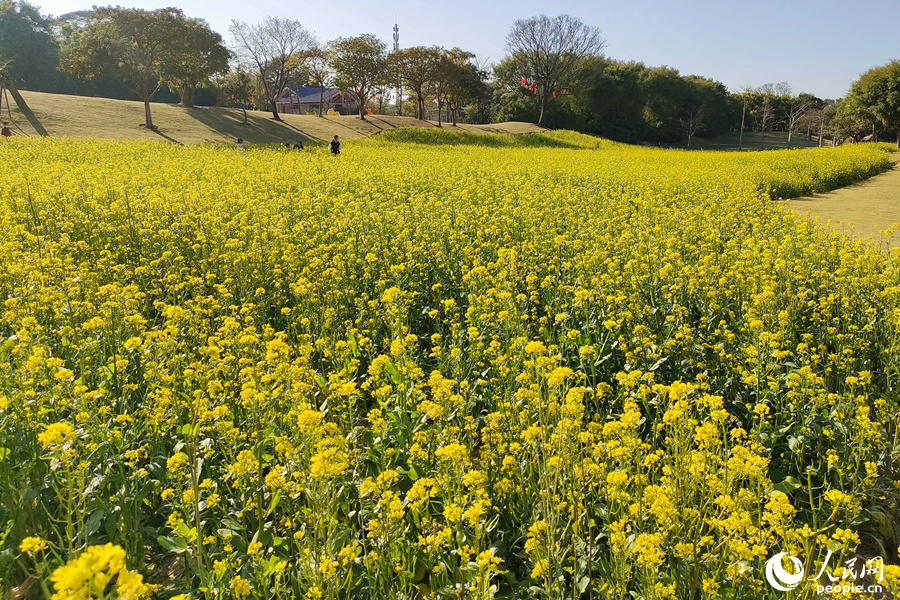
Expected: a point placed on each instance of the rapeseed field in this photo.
(539, 367)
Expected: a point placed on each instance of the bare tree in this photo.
(271, 46)
(550, 49)
(765, 114)
(315, 60)
(692, 122)
(797, 108)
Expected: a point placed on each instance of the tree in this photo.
(416, 69)
(131, 45)
(315, 61)
(666, 95)
(550, 49)
(462, 80)
(877, 93)
(360, 66)
(236, 90)
(711, 97)
(198, 54)
(766, 97)
(796, 108)
(271, 47)
(610, 96)
(28, 46)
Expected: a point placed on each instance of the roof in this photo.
(305, 93)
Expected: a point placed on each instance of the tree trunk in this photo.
(439, 112)
(821, 126)
(790, 132)
(187, 96)
(741, 138)
(321, 96)
(275, 114)
(362, 106)
(898, 136)
(543, 104)
(148, 120)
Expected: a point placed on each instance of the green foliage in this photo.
(28, 46)
(142, 49)
(360, 65)
(434, 136)
(876, 97)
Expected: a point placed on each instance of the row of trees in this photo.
(284, 53)
(555, 75)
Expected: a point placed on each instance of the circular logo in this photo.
(780, 579)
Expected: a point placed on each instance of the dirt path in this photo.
(863, 209)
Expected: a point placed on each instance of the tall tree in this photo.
(315, 62)
(271, 47)
(235, 89)
(28, 46)
(550, 49)
(131, 45)
(796, 108)
(360, 66)
(416, 69)
(877, 92)
(198, 54)
(463, 80)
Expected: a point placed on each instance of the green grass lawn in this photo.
(775, 140)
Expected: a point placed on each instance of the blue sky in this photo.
(819, 46)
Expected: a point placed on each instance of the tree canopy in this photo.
(132, 45)
(360, 65)
(876, 96)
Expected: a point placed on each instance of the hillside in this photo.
(78, 116)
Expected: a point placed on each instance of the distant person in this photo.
(6, 131)
(240, 143)
(335, 146)
(298, 145)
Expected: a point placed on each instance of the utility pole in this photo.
(399, 84)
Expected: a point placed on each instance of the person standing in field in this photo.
(335, 146)
(6, 131)
(240, 144)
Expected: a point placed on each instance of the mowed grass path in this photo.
(864, 209)
(87, 117)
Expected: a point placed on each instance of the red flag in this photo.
(554, 94)
(523, 81)
(563, 92)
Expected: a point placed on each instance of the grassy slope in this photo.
(79, 116)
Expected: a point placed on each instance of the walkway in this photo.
(863, 209)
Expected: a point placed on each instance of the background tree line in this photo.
(555, 74)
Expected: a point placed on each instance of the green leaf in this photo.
(4, 452)
(93, 523)
(393, 372)
(787, 486)
(189, 534)
(172, 545)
